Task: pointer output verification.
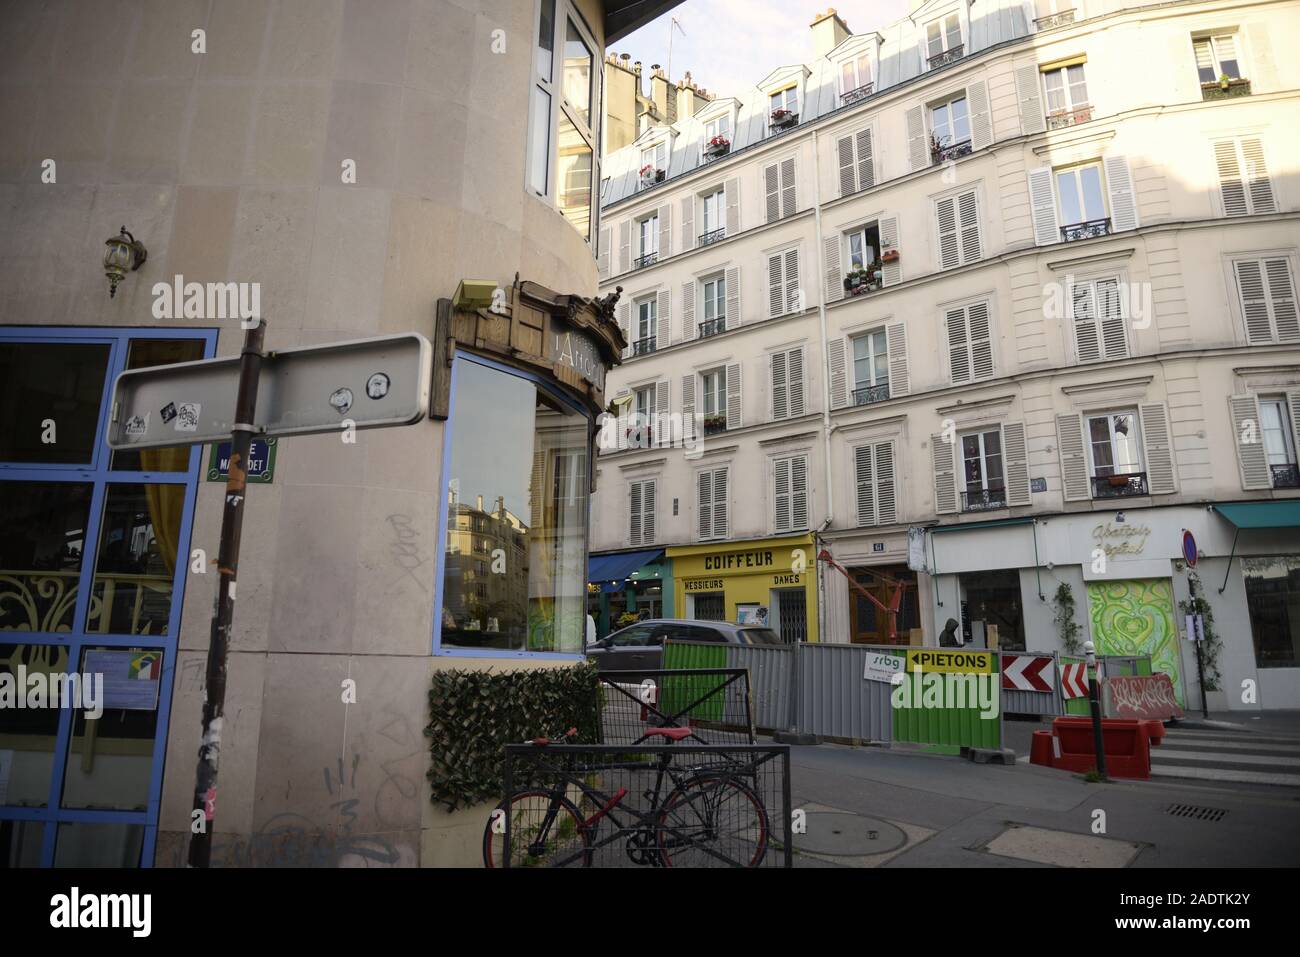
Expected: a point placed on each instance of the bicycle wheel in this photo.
(712, 821)
(565, 843)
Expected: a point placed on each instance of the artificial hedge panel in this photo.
(474, 714)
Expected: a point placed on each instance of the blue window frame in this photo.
(136, 624)
(483, 423)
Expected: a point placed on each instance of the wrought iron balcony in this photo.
(713, 424)
(941, 154)
(948, 56)
(1119, 486)
(1089, 230)
(712, 236)
(711, 327)
(981, 500)
(1063, 118)
(1054, 20)
(643, 347)
(649, 259)
(1286, 476)
(861, 93)
(1216, 90)
(868, 394)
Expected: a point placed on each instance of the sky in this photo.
(729, 45)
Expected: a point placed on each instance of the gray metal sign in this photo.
(365, 383)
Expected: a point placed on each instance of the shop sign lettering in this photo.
(1115, 539)
(570, 347)
(702, 584)
(786, 580)
(716, 563)
(963, 662)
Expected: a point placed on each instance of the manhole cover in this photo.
(848, 835)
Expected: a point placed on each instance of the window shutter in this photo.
(1032, 118)
(1083, 307)
(788, 197)
(1015, 463)
(688, 405)
(890, 273)
(1293, 407)
(1043, 206)
(1074, 459)
(795, 365)
(1281, 294)
(1254, 300)
(1268, 301)
(833, 277)
(958, 345)
(896, 343)
(665, 213)
(734, 418)
(688, 310)
(793, 295)
(1258, 183)
(1231, 187)
(981, 130)
(799, 492)
(981, 340)
(634, 514)
(624, 247)
(647, 513)
(663, 433)
(661, 156)
(704, 505)
(732, 276)
(1252, 458)
(866, 159)
(886, 499)
(775, 287)
(968, 216)
(720, 503)
(625, 326)
(732, 195)
(664, 332)
(781, 494)
(918, 151)
(602, 258)
(848, 168)
(838, 373)
(864, 473)
(688, 222)
(780, 386)
(949, 252)
(945, 475)
(772, 183)
(1110, 309)
(1158, 447)
(1123, 204)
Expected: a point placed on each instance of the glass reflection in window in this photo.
(50, 396)
(137, 559)
(577, 73)
(41, 549)
(574, 173)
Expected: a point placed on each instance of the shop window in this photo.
(535, 477)
(1273, 599)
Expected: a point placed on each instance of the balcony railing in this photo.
(861, 93)
(713, 424)
(941, 154)
(649, 259)
(1119, 486)
(1054, 20)
(643, 347)
(868, 394)
(947, 56)
(1286, 476)
(981, 500)
(1089, 230)
(712, 236)
(1217, 91)
(1062, 118)
(711, 327)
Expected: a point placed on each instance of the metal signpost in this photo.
(1195, 631)
(366, 383)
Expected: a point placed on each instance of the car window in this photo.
(760, 636)
(636, 635)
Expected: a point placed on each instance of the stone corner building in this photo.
(358, 160)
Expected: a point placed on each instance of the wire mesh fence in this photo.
(660, 805)
(713, 702)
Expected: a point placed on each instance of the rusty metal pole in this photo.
(232, 523)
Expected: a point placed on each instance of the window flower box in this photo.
(714, 424)
(650, 176)
(1224, 88)
(718, 146)
(784, 119)
(889, 256)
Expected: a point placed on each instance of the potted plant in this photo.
(782, 118)
(715, 423)
(650, 175)
(856, 279)
(889, 256)
(1224, 80)
(718, 146)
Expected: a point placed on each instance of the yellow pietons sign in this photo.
(961, 662)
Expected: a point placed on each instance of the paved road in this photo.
(1232, 756)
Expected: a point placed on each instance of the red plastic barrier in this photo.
(1126, 741)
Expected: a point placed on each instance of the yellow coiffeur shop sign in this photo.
(959, 662)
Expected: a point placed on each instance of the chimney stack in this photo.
(828, 31)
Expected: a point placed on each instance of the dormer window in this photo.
(654, 164)
(784, 105)
(717, 136)
(943, 41)
(855, 79)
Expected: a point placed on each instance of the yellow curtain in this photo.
(166, 502)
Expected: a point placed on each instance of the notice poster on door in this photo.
(754, 614)
(131, 678)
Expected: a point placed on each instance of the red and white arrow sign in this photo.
(1026, 673)
(1074, 680)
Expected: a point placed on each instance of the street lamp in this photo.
(124, 253)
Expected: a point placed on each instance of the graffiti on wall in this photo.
(1137, 618)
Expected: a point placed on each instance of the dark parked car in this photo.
(640, 647)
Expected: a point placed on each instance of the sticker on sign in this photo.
(886, 668)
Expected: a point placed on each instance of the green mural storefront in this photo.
(1136, 617)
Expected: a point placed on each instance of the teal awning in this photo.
(1261, 514)
(617, 567)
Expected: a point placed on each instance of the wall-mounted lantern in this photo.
(124, 253)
